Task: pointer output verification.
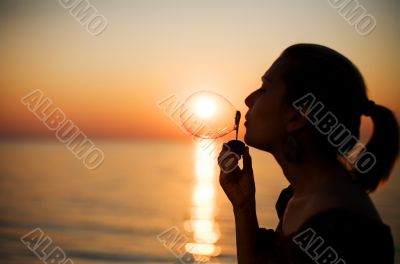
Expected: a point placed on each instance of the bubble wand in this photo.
(236, 145)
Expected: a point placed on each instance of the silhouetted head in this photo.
(291, 108)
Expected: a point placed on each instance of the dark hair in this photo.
(338, 84)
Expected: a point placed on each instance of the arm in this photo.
(246, 233)
(239, 186)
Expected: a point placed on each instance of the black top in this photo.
(335, 236)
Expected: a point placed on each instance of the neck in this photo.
(313, 174)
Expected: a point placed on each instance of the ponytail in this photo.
(384, 145)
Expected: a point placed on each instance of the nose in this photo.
(249, 101)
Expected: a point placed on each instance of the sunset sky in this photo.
(109, 84)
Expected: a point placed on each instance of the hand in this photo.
(238, 184)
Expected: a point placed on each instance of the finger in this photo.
(228, 162)
(247, 161)
(226, 178)
(224, 149)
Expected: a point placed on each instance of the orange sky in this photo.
(109, 84)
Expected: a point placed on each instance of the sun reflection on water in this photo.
(202, 224)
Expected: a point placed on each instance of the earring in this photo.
(291, 149)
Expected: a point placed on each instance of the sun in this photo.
(205, 107)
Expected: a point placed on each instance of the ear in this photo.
(295, 120)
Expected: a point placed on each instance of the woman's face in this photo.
(266, 118)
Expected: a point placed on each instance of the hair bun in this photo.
(368, 108)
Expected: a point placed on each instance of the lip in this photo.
(246, 117)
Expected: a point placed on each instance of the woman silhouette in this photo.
(326, 214)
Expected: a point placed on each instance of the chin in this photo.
(261, 146)
(247, 140)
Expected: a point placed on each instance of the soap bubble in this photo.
(207, 114)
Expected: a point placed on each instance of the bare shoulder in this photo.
(353, 199)
(350, 198)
